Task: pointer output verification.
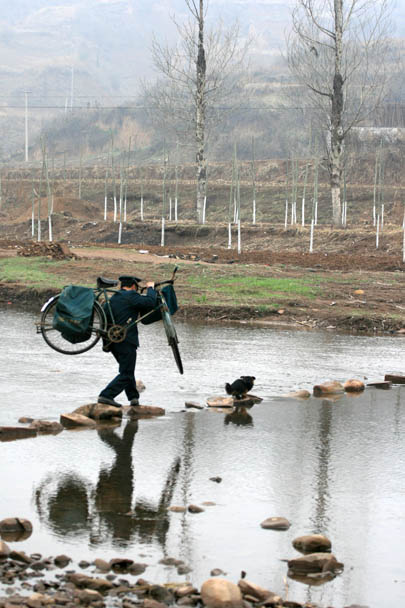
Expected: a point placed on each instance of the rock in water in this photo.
(275, 523)
(220, 593)
(10, 433)
(328, 388)
(315, 563)
(140, 386)
(195, 509)
(312, 543)
(394, 379)
(301, 394)
(259, 593)
(46, 427)
(15, 529)
(99, 411)
(354, 386)
(144, 411)
(72, 421)
(4, 550)
(218, 401)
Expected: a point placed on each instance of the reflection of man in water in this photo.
(69, 508)
(115, 485)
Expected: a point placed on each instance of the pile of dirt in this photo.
(54, 251)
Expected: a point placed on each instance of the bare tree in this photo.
(197, 75)
(338, 50)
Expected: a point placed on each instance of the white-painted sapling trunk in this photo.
(303, 211)
(119, 233)
(175, 209)
(286, 215)
(204, 209)
(105, 208)
(50, 227)
(239, 239)
(162, 239)
(311, 240)
(403, 242)
(254, 211)
(141, 208)
(377, 236)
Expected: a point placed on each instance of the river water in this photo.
(335, 467)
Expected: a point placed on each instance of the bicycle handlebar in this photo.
(168, 282)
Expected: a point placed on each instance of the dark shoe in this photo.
(134, 401)
(106, 401)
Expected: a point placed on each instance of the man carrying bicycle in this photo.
(126, 305)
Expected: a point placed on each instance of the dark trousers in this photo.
(125, 354)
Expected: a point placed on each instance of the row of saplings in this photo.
(70, 588)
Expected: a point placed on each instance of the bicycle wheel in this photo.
(54, 338)
(176, 354)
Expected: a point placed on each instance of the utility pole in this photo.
(26, 124)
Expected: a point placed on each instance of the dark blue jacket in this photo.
(127, 304)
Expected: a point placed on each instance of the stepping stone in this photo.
(10, 433)
(218, 401)
(394, 379)
(73, 421)
(144, 411)
(385, 385)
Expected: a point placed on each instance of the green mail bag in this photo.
(74, 313)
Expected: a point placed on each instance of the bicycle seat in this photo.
(103, 282)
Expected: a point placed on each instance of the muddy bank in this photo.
(33, 299)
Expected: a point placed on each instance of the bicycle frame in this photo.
(104, 291)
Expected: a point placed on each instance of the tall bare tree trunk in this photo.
(200, 116)
(336, 141)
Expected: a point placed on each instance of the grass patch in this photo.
(32, 272)
(260, 288)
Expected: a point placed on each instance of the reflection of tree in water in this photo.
(75, 507)
(320, 518)
(239, 416)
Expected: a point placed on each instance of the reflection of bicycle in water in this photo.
(108, 329)
(70, 506)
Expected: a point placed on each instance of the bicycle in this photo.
(100, 328)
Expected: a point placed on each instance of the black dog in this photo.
(240, 387)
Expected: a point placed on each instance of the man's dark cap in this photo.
(128, 280)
